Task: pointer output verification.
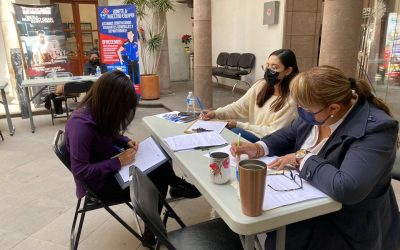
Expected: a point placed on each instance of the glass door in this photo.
(80, 27)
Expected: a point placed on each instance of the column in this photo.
(341, 30)
(163, 65)
(202, 52)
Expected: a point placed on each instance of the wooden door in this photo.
(80, 26)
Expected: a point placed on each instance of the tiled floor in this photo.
(37, 197)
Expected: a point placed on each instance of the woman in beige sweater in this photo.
(267, 104)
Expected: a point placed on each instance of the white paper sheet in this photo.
(191, 141)
(216, 126)
(274, 199)
(148, 155)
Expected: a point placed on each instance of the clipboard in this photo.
(149, 158)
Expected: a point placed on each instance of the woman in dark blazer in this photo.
(344, 143)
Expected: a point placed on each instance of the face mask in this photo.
(271, 77)
(95, 61)
(309, 117)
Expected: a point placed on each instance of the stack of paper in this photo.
(194, 141)
(148, 157)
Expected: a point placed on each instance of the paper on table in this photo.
(174, 117)
(191, 141)
(274, 199)
(233, 161)
(217, 126)
(149, 155)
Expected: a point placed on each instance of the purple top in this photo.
(90, 153)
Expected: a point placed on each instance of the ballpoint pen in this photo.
(200, 105)
(238, 157)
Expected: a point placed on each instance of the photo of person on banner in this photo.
(129, 53)
(42, 50)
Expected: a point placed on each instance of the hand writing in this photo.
(231, 123)
(127, 157)
(207, 115)
(244, 148)
(133, 144)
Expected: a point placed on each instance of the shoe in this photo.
(149, 240)
(184, 189)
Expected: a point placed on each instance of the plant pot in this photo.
(187, 49)
(150, 87)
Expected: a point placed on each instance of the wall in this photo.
(302, 30)
(237, 26)
(179, 23)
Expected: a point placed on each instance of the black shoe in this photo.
(149, 240)
(184, 189)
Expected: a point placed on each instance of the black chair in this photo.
(71, 91)
(214, 234)
(91, 201)
(1, 135)
(222, 59)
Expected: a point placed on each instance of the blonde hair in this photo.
(325, 85)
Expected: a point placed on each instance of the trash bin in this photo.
(191, 66)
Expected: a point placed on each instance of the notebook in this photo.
(148, 157)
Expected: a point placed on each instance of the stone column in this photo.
(202, 52)
(163, 66)
(341, 30)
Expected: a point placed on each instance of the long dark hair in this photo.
(112, 102)
(288, 59)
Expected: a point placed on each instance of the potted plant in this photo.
(151, 20)
(186, 39)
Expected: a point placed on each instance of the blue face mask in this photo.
(309, 117)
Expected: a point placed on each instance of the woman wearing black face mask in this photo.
(345, 145)
(266, 105)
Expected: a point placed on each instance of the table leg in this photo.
(280, 238)
(248, 242)
(29, 109)
(11, 128)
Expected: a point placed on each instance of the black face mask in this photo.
(271, 77)
(95, 62)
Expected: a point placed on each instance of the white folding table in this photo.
(3, 85)
(44, 82)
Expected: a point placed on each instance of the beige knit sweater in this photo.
(261, 121)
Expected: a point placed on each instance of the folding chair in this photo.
(214, 234)
(91, 201)
(71, 89)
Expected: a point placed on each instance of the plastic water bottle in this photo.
(98, 71)
(190, 103)
(54, 72)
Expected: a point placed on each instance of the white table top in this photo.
(224, 197)
(56, 81)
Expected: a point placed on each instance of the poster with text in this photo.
(42, 38)
(119, 47)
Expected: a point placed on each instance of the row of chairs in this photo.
(234, 66)
(213, 234)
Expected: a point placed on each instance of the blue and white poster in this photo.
(118, 40)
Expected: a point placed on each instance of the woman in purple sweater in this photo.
(94, 132)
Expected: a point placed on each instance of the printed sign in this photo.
(118, 39)
(42, 38)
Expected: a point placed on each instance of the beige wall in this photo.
(302, 30)
(237, 26)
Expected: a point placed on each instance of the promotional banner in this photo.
(42, 38)
(118, 40)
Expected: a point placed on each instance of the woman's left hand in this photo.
(280, 162)
(231, 123)
(133, 144)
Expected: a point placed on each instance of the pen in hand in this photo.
(200, 105)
